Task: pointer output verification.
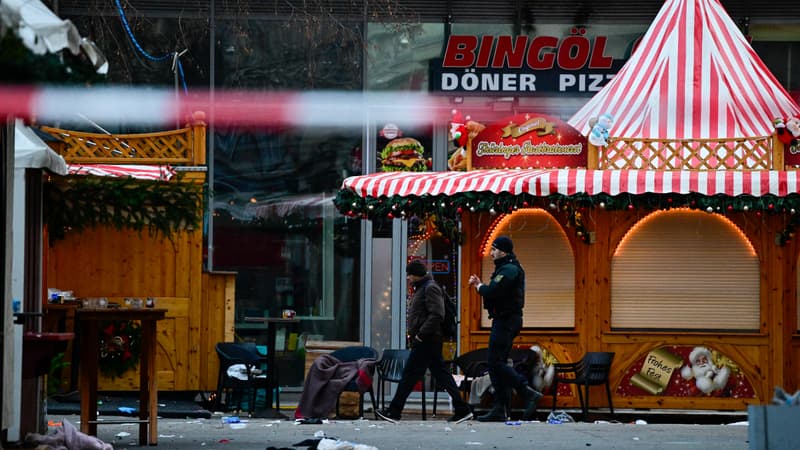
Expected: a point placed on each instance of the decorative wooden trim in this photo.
(778, 150)
(592, 155)
(178, 147)
(748, 153)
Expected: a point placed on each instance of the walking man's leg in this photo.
(414, 370)
(500, 342)
(444, 379)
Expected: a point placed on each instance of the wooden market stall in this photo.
(126, 263)
(673, 242)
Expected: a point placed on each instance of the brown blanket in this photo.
(326, 379)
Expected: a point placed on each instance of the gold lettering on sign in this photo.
(537, 123)
(526, 149)
(656, 371)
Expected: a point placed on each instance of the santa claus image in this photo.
(708, 377)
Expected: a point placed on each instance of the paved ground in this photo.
(261, 434)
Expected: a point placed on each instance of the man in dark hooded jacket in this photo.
(504, 298)
(425, 315)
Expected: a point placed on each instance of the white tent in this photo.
(42, 31)
(30, 152)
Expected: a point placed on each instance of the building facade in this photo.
(271, 217)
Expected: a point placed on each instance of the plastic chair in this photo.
(475, 364)
(246, 354)
(592, 369)
(390, 369)
(354, 353)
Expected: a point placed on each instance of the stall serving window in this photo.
(544, 251)
(682, 269)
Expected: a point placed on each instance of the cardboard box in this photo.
(348, 405)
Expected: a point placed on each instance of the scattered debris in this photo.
(557, 417)
(783, 398)
(67, 436)
(330, 444)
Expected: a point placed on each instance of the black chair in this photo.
(592, 369)
(253, 369)
(390, 369)
(475, 364)
(354, 353)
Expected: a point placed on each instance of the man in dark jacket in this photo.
(504, 298)
(425, 315)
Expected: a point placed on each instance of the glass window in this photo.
(276, 226)
(398, 55)
(274, 219)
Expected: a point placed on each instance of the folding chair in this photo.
(592, 369)
(250, 378)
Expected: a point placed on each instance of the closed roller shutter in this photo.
(545, 254)
(685, 269)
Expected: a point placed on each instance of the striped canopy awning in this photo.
(575, 181)
(138, 171)
(694, 75)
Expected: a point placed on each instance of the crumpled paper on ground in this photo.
(331, 444)
(67, 437)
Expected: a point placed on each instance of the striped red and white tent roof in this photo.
(693, 76)
(141, 172)
(576, 181)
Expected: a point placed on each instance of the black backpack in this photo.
(450, 322)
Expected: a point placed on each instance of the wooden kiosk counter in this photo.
(118, 263)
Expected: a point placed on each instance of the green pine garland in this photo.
(84, 202)
(447, 210)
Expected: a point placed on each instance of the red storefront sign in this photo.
(524, 64)
(528, 141)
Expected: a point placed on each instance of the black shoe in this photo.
(496, 414)
(461, 417)
(532, 397)
(388, 416)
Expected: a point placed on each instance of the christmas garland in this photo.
(79, 203)
(120, 347)
(446, 211)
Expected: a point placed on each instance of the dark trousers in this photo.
(424, 356)
(504, 377)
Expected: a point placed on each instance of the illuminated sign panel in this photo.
(506, 65)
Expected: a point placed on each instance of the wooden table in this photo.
(89, 320)
(272, 373)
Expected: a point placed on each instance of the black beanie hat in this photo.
(503, 244)
(416, 267)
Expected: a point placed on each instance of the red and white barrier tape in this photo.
(160, 107)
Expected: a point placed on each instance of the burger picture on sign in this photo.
(404, 154)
